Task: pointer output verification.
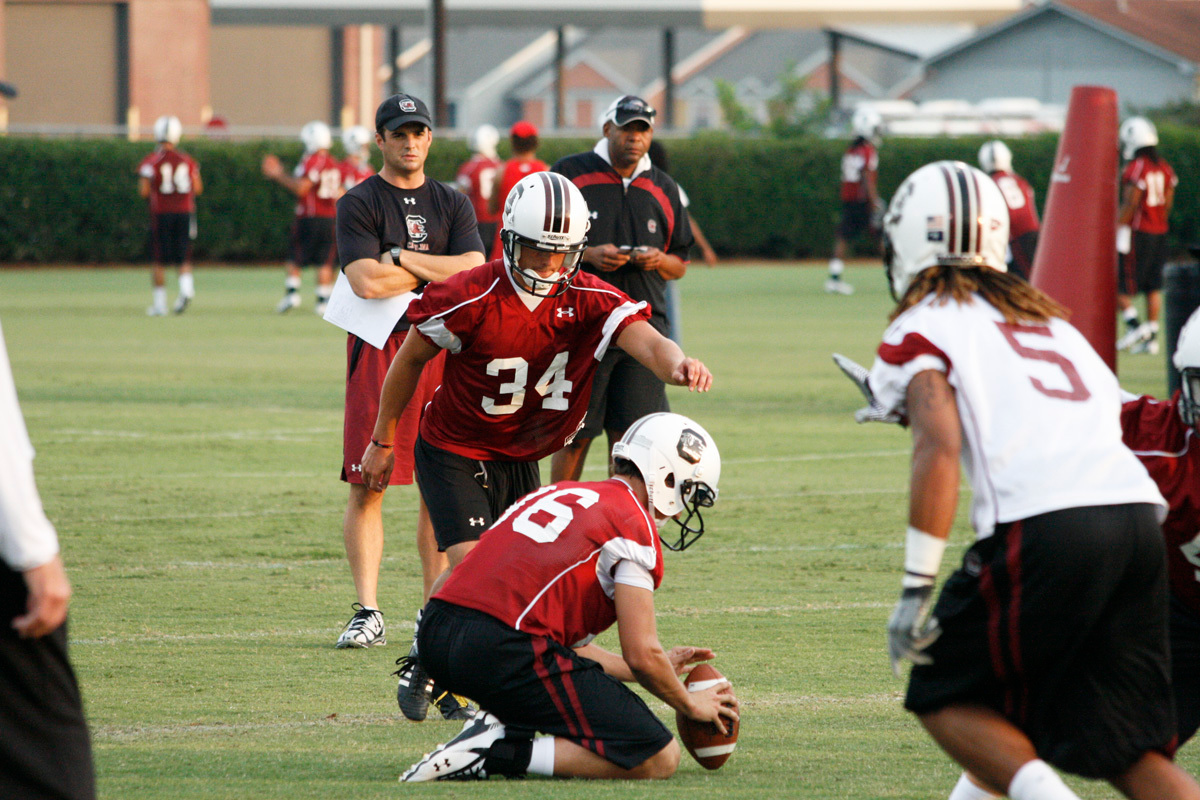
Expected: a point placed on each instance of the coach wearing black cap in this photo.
(396, 232)
(638, 241)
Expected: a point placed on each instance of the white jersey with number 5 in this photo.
(1040, 412)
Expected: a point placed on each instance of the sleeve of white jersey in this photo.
(904, 353)
(27, 539)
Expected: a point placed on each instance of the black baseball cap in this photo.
(399, 109)
(625, 110)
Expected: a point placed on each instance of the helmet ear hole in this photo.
(669, 481)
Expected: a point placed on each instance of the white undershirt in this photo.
(632, 574)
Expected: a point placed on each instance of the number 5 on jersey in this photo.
(553, 386)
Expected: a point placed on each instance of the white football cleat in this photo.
(181, 303)
(838, 286)
(461, 758)
(290, 300)
(156, 311)
(1135, 337)
(365, 629)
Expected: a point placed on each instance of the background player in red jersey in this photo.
(859, 194)
(1147, 193)
(476, 179)
(524, 140)
(356, 166)
(525, 336)
(317, 183)
(996, 160)
(170, 179)
(558, 568)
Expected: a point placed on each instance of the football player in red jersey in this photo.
(524, 336)
(524, 140)
(996, 160)
(170, 179)
(356, 167)
(317, 184)
(559, 567)
(477, 180)
(859, 194)
(1147, 193)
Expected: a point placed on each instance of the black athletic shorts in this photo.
(856, 219)
(623, 391)
(171, 240)
(464, 496)
(1142, 267)
(1023, 249)
(1059, 622)
(312, 238)
(535, 685)
(1185, 669)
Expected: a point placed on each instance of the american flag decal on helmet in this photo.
(558, 202)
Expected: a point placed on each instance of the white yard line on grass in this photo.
(69, 436)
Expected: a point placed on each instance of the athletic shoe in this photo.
(319, 309)
(838, 286)
(1146, 347)
(181, 303)
(461, 758)
(452, 706)
(156, 311)
(1135, 337)
(365, 629)
(290, 300)
(413, 688)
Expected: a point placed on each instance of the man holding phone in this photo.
(638, 240)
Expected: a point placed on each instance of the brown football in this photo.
(704, 740)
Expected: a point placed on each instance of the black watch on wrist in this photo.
(396, 255)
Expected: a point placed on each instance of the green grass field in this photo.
(190, 464)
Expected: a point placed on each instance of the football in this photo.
(704, 740)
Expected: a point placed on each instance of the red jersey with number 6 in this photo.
(172, 175)
(546, 566)
(1154, 178)
(1038, 409)
(517, 379)
(1169, 451)
(325, 174)
(1018, 196)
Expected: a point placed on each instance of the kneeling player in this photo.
(560, 566)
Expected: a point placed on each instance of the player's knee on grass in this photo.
(661, 765)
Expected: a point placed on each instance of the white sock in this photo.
(160, 298)
(1036, 781)
(836, 267)
(1130, 314)
(1153, 325)
(324, 290)
(187, 288)
(966, 789)
(292, 283)
(541, 762)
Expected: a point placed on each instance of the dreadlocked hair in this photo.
(1013, 297)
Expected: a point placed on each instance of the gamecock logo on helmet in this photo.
(691, 446)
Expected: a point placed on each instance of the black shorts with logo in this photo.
(1142, 267)
(312, 238)
(535, 685)
(170, 238)
(623, 391)
(1059, 622)
(464, 496)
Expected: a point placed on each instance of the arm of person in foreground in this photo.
(663, 357)
(398, 388)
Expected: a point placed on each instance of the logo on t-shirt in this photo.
(652, 226)
(416, 228)
(568, 313)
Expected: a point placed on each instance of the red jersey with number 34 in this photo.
(1169, 450)
(325, 173)
(517, 381)
(1154, 178)
(546, 566)
(1038, 409)
(172, 175)
(1018, 196)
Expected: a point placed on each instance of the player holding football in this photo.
(559, 567)
(859, 193)
(1050, 642)
(996, 160)
(524, 337)
(317, 184)
(170, 179)
(1147, 194)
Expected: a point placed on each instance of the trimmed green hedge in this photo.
(76, 200)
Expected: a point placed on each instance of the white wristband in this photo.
(922, 557)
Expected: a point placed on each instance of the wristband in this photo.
(380, 444)
(922, 557)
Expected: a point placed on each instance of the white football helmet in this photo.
(866, 123)
(168, 129)
(1187, 361)
(946, 212)
(316, 136)
(681, 466)
(1136, 133)
(545, 211)
(995, 156)
(484, 140)
(356, 139)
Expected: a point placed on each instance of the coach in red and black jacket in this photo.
(638, 240)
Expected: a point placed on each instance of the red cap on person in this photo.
(524, 130)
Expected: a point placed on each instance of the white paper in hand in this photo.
(370, 320)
